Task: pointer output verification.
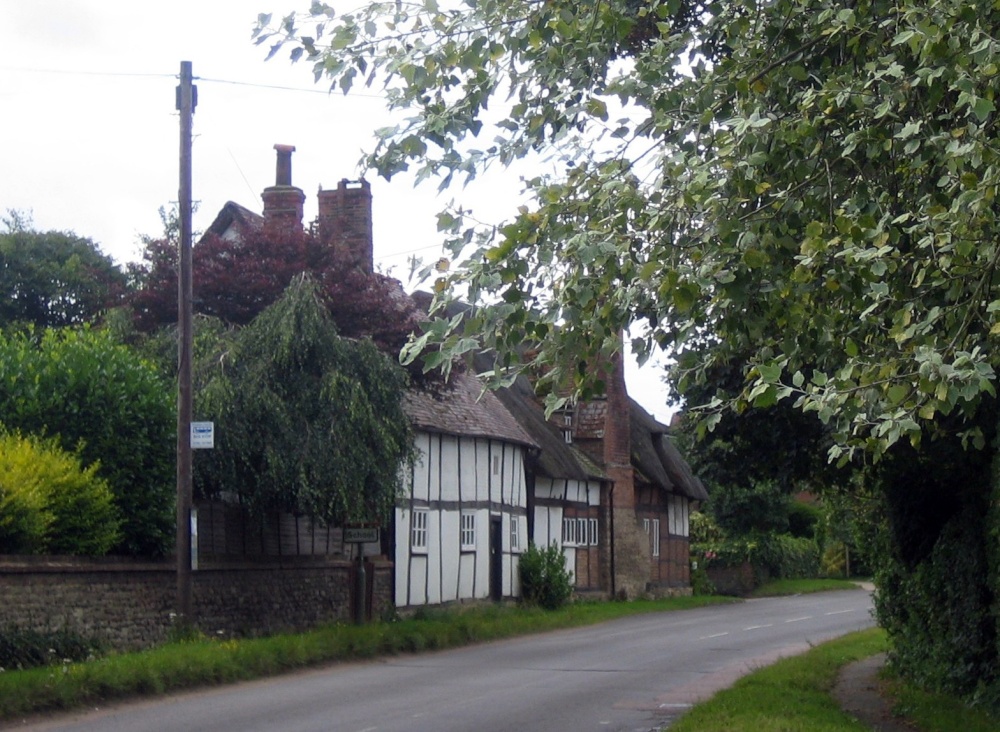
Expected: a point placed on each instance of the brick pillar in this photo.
(632, 559)
(345, 221)
(283, 201)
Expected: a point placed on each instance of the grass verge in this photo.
(779, 587)
(792, 694)
(931, 712)
(204, 662)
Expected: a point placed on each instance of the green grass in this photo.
(792, 694)
(775, 588)
(204, 662)
(936, 712)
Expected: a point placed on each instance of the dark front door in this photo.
(496, 559)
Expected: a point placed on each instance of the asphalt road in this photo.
(637, 673)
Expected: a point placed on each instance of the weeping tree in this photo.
(306, 421)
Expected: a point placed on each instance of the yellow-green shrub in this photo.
(50, 503)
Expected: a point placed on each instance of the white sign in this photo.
(202, 435)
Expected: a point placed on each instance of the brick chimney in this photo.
(283, 201)
(345, 221)
(631, 545)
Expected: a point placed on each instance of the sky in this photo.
(91, 139)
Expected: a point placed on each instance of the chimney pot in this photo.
(283, 172)
(283, 201)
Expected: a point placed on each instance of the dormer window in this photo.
(567, 425)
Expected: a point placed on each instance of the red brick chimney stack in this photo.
(631, 544)
(345, 221)
(283, 201)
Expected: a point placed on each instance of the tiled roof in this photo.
(461, 408)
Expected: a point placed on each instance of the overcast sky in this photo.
(91, 140)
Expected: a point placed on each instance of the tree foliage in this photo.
(809, 183)
(100, 400)
(235, 279)
(53, 278)
(50, 503)
(306, 421)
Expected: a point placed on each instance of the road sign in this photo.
(202, 435)
(360, 534)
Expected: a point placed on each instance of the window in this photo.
(468, 531)
(496, 465)
(567, 427)
(515, 542)
(418, 530)
(592, 538)
(652, 529)
(571, 532)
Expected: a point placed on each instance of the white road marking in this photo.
(676, 706)
(717, 635)
(839, 612)
(796, 620)
(754, 627)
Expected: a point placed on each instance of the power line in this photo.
(287, 88)
(231, 82)
(78, 72)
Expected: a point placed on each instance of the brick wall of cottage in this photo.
(129, 604)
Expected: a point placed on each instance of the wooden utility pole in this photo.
(186, 101)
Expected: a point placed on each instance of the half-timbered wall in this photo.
(442, 529)
(664, 518)
(568, 512)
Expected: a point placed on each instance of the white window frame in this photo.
(515, 537)
(570, 532)
(468, 531)
(418, 530)
(593, 534)
(567, 427)
(652, 529)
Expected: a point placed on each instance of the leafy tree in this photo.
(53, 278)
(50, 503)
(306, 420)
(110, 407)
(807, 183)
(808, 187)
(235, 279)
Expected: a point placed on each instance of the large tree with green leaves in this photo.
(53, 278)
(307, 421)
(806, 187)
(808, 183)
(102, 401)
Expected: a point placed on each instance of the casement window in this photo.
(468, 531)
(515, 540)
(652, 529)
(580, 532)
(418, 530)
(567, 427)
(571, 532)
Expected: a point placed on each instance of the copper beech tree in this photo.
(235, 279)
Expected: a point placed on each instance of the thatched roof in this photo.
(657, 459)
(557, 459)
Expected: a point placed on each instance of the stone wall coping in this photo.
(18, 564)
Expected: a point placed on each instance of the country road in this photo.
(636, 673)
